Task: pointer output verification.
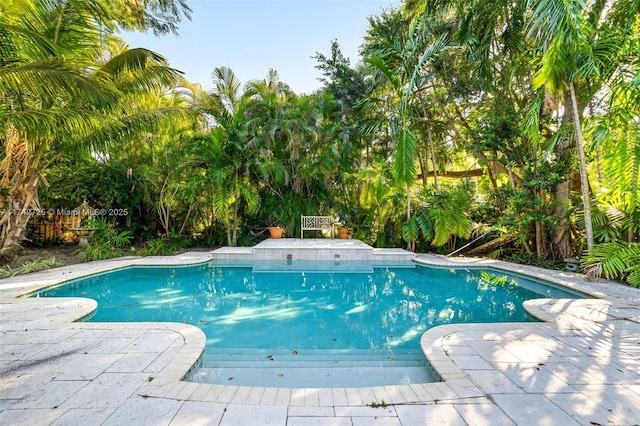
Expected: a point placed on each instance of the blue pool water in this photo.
(312, 329)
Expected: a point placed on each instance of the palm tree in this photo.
(59, 92)
(574, 47)
(403, 64)
(581, 51)
(225, 153)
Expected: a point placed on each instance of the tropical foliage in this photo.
(68, 86)
(506, 129)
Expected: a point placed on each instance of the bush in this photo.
(106, 242)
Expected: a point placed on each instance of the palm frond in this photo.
(379, 64)
(551, 18)
(18, 44)
(410, 230)
(59, 123)
(404, 165)
(614, 260)
(51, 79)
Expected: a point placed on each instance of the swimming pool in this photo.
(315, 328)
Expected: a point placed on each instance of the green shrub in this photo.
(106, 242)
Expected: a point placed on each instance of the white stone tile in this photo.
(144, 411)
(436, 390)
(339, 397)
(227, 394)
(162, 360)
(457, 350)
(31, 417)
(534, 378)
(310, 411)
(586, 410)
(387, 411)
(634, 388)
(161, 388)
(325, 397)
(241, 395)
(108, 390)
(527, 351)
(283, 397)
(200, 392)
(375, 421)
(619, 400)
(297, 397)
(51, 395)
(318, 421)
(15, 352)
(23, 385)
(92, 366)
(354, 397)
(465, 389)
(493, 352)
(493, 382)
(431, 414)
(66, 349)
(75, 417)
(254, 415)
(152, 342)
(577, 374)
(441, 391)
(111, 345)
(422, 392)
(187, 391)
(214, 393)
(312, 397)
(483, 415)
(471, 362)
(621, 373)
(133, 363)
(395, 396)
(196, 413)
(255, 395)
(533, 409)
(408, 393)
(366, 396)
(269, 396)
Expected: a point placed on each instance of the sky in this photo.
(252, 36)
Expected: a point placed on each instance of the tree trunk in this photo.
(163, 210)
(433, 159)
(492, 245)
(584, 179)
(21, 178)
(562, 237)
(537, 224)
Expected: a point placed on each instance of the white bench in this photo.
(316, 223)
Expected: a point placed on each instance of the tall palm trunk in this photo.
(20, 177)
(562, 237)
(584, 180)
(538, 224)
(433, 159)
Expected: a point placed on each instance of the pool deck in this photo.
(580, 367)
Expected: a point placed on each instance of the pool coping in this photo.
(614, 302)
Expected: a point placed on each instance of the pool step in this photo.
(253, 358)
(314, 377)
(316, 368)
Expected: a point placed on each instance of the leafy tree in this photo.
(61, 94)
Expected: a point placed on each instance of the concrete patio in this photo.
(581, 366)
